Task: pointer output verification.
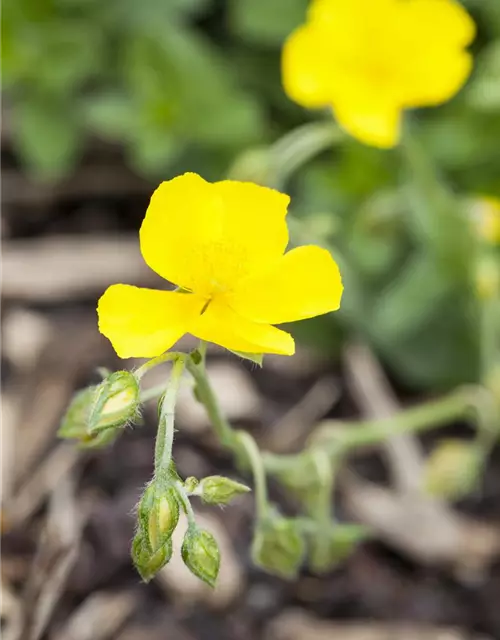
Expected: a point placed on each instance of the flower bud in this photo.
(158, 515)
(146, 562)
(201, 554)
(278, 547)
(331, 547)
(116, 402)
(452, 469)
(219, 490)
(488, 277)
(74, 423)
(191, 485)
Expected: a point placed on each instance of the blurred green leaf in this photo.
(484, 91)
(266, 22)
(47, 136)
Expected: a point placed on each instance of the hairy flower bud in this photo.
(219, 490)
(201, 554)
(452, 469)
(158, 514)
(74, 423)
(332, 546)
(146, 562)
(278, 547)
(116, 402)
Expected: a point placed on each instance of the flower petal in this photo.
(369, 117)
(435, 77)
(306, 68)
(206, 237)
(143, 323)
(304, 283)
(221, 325)
(438, 21)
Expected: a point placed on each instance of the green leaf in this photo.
(111, 115)
(47, 136)
(483, 93)
(266, 22)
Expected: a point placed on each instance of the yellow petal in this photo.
(437, 21)
(306, 68)
(370, 119)
(206, 237)
(304, 283)
(143, 323)
(221, 325)
(435, 77)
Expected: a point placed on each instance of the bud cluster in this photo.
(158, 515)
(98, 413)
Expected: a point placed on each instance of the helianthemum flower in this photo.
(371, 59)
(223, 245)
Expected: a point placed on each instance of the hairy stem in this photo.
(154, 362)
(165, 437)
(207, 397)
(254, 457)
(186, 503)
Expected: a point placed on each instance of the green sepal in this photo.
(74, 423)
(278, 547)
(158, 515)
(116, 402)
(147, 563)
(256, 358)
(201, 555)
(329, 548)
(219, 490)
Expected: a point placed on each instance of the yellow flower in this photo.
(223, 245)
(370, 59)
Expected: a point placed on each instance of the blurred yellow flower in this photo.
(371, 59)
(223, 244)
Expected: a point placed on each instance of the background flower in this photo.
(370, 59)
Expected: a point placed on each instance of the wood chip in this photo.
(235, 390)
(62, 268)
(298, 625)
(99, 617)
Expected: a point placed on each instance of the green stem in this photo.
(254, 458)
(186, 503)
(237, 441)
(165, 437)
(338, 438)
(301, 145)
(154, 362)
(207, 397)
